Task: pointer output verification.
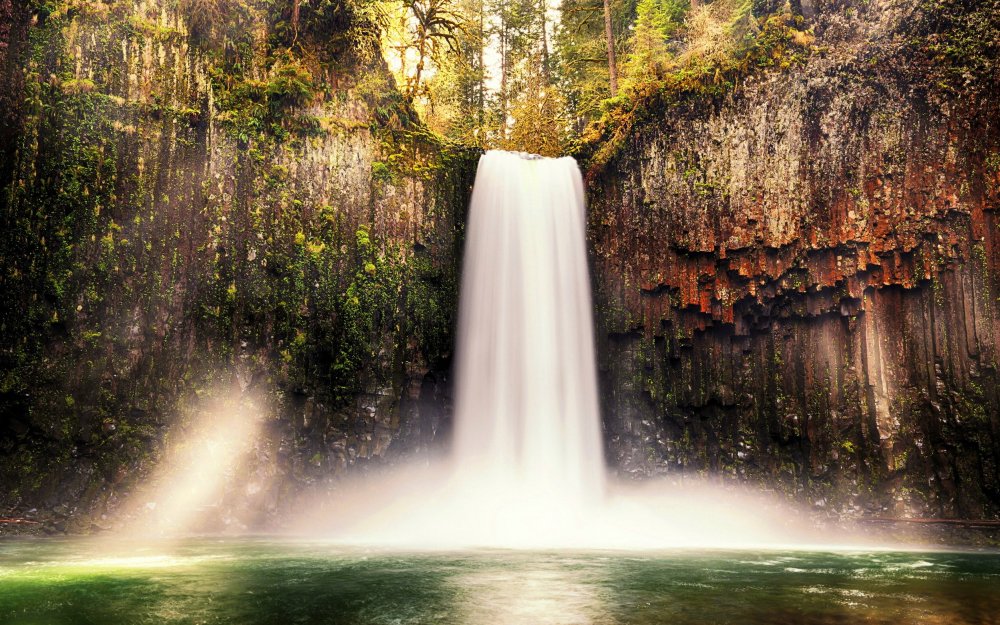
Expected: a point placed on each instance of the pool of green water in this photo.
(263, 581)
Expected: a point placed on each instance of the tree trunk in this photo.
(503, 71)
(482, 63)
(546, 73)
(612, 63)
(421, 52)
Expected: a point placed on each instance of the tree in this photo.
(537, 112)
(609, 37)
(538, 125)
(649, 53)
(435, 24)
(581, 62)
(516, 31)
(339, 29)
(456, 94)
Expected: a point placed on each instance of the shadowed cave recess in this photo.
(214, 209)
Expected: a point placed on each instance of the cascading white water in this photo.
(527, 468)
(527, 421)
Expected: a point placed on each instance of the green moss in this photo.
(290, 84)
(381, 172)
(262, 112)
(146, 28)
(960, 41)
(78, 86)
(992, 163)
(777, 43)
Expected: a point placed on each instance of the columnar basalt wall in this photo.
(798, 282)
(194, 217)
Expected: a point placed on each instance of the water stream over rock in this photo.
(527, 417)
(527, 468)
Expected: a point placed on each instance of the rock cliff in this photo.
(198, 208)
(797, 276)
(796, 260)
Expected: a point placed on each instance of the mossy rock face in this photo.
(783, 297)
(192, 214)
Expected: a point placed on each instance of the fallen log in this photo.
(16, 521)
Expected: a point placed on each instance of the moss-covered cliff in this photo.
(797, 262)
(199, 205)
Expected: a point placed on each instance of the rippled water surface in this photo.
(262, 581)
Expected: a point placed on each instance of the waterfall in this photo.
(527, 419)
(526, 469)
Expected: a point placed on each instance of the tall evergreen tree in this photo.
(537, 114)
(457, 92)
(581, 68)
(648, 48)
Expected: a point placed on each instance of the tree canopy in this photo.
(532, 75)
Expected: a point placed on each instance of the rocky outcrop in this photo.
(798, 280)
(198, 214)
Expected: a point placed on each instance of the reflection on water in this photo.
(551, 590)
(250, 582)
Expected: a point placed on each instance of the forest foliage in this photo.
(532, 75)
(528, 75)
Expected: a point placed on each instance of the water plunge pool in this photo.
(251, 581)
